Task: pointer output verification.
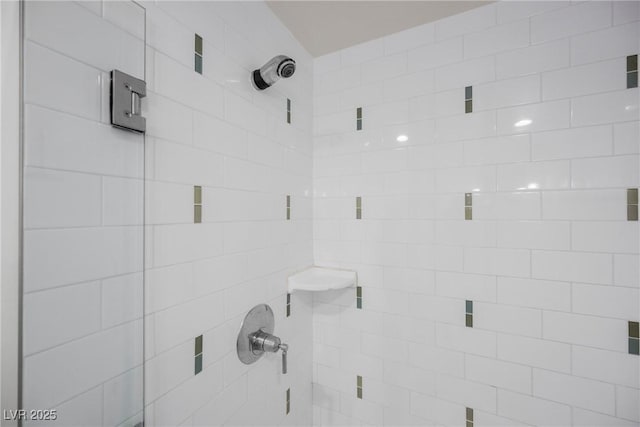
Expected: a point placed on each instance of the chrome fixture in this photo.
(279, 66)
(126, 92)
(256, 337)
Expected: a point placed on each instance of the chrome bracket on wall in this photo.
(126, 92)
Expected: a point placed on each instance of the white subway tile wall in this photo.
(88, 184)
(549, 258)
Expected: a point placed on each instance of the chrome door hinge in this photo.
(126, 92)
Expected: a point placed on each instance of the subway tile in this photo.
(605, 76)
(573, 143)
(568, 21)
(522, 205)
(60, 83)
(626, 137)
(534, 234)
(468, 340)
(572, 266)
(479, 178)
(607, 301)
(618, 171)
(62, 199)
(435, 54)
(467, 393)
(232, 139)
(600, 332)
(94, 252)
(627, 403)
(594, 205)
(122, 299)
(532, 410)
(541, 294)
(58, 141)
(463, 285)
(467, 126)
(504, 262)
(533, 176)
(534, 117)
(617, 237)
(54, 376)
(574, 391)
(625, 268)
(608, 43)
(437, 410)
(104, 46)
(602, 108)
(497, 39)
(170, 120)
(505, 149)
(583, 417)
(533, 59)
(56, 316)
(508, 319)
(497, 373)
(555, 356)
(429, 357)
(608, 366)
(507, 93)
(465, 73)
(404, 86)
(384, 68)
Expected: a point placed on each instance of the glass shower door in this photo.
(83, 257)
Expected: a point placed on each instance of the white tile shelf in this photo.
(318, 279)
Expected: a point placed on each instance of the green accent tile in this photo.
(288, 104)
(468, 92)
(358, 202)
(198, 63)
(198, 364)
(470, 414)
(197, 214)
(359, 124)
(359, 381)
(289, 117)
(469, 423)
(359, 113)
(634, 330)
(468, 199)
(198, 45)
(468, 320)
(288, 394)
(632, 196)
(359, 291)
(469, 306)
(288, 213)
(359, 393)
(197, 194)
(358, 213)
(359, 303)
(288, 310)
(288, 298)
(198, 346)
(288, 201)
(632, 80)
(634, 346)
(632, 212)
(632, 63)
(468, 106)
(468, 213)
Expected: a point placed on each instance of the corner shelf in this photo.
(318, 279)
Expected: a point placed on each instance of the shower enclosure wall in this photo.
(477, 172)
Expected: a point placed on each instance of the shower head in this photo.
(279, 66)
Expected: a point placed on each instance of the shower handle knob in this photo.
(262, 342)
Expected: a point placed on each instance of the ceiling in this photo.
(326, 26)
